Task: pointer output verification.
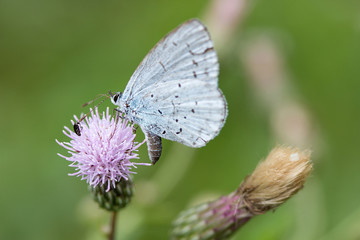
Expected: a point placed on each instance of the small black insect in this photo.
(77, 128)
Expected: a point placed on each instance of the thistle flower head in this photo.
(103, 151)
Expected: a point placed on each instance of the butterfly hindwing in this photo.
(188, 111)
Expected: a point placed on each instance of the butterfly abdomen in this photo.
(154, 146)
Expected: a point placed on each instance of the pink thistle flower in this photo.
(104, 151)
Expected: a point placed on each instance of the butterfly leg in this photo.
(118, 113)
(135, 128)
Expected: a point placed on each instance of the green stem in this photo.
(113, 225)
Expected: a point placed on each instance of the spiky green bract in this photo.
(116, 198)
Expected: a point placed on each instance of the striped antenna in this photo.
(77, 125)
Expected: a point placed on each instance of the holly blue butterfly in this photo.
(174, 94)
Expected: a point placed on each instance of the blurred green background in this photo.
(57, 54)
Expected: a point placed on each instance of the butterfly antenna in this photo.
(77, 126)
(93, 100)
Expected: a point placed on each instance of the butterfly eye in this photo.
(116, 97)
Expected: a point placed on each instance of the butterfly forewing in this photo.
(186, 52)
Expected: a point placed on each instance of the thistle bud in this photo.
(116, 198)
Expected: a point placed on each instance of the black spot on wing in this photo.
(208, 49)
(162, 66)
(206, 72)
(205, 51)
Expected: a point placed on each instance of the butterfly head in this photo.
(115, 97)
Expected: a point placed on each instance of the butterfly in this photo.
(173, 93)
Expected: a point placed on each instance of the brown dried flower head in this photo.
(276, 179)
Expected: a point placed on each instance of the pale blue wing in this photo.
(185, 53)
(189, 111)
